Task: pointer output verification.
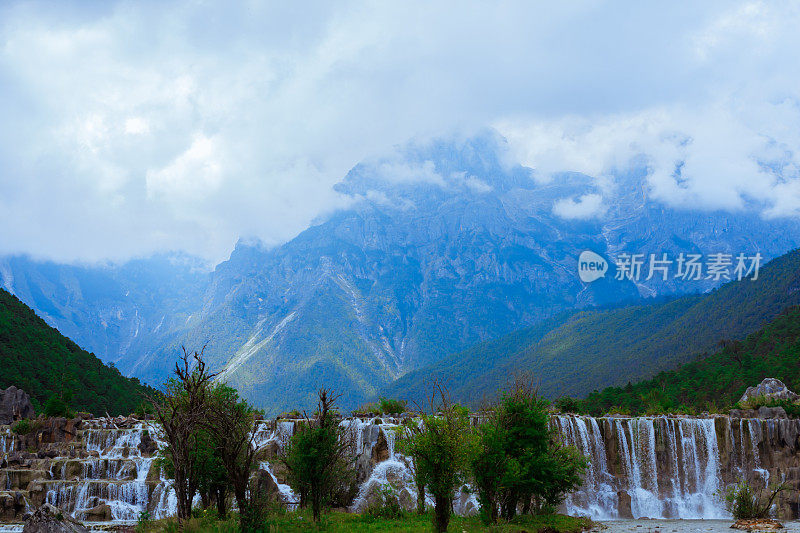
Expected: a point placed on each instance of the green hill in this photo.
(714, 381)
(593, 349)
(42, 362)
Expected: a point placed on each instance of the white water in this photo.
(666, 467)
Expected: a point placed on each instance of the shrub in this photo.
(386, 505)
(746, 503)
(22, 427)
(56, 406)
(392, 407)
(566, 404)
(366, 409)
(792, 409)
(143, 409)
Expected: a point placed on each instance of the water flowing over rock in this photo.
(770, 388)
(660, 467)
(15, 404)
(102, 470)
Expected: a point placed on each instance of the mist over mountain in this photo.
(444, 244)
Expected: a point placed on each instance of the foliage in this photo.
(792, 408)
(440, 445)
(566, 404)
(715, 381)
(319, 457)
(44, 363)
(143, 522)
(56, 406)
(180, 411)
(384, 406)
(343, 522)
(230, 422)
(22, 427)
(386, 505)
(520, 459)
(392, 407)
(143, 409)
(367, 409)
(745, 503)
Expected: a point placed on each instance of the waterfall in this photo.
(656, 467)
(671, 467)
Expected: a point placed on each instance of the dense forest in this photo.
(45, 364)
(713, 382)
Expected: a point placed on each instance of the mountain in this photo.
(714, 381)
(596, 348)
(38, 359)
(444, 244)
(112, 310)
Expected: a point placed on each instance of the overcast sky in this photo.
(131, 128)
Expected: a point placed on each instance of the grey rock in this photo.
(771, 412)
(15, 404)
(770, 388)
(51, 519)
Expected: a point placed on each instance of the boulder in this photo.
(147, 446)
(15, 405)
(770, 388)
(624, 507)
(758, 524)
(98, 513)
(771, 412)
(51, 519)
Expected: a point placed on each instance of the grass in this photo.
(339, 522)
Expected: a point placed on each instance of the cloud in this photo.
(584, 207)
(130, 128)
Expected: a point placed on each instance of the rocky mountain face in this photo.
(443, 245)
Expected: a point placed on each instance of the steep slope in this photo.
(714, 381)
(41, 361)
(597, 348)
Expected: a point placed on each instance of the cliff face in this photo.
(657, 467)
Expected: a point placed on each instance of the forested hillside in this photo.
(44, 363)
(713, 382)
(600, 348)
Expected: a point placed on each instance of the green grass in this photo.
(339, 522)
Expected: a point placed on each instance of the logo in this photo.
(591, 266)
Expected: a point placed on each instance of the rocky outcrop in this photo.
(769, 388)
(759, 524)
(51, 519)
(15, 404)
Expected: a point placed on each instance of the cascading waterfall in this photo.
(657, 467)
(668, 467)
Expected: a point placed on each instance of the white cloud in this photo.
(129, 128)
(584, 207)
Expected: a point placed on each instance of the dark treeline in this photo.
(51, 368)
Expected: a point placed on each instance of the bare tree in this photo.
(179, 409)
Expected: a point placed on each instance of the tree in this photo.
(319, 455)
(440, 445)
(520, 459)
(230, 421)
(179, 410)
